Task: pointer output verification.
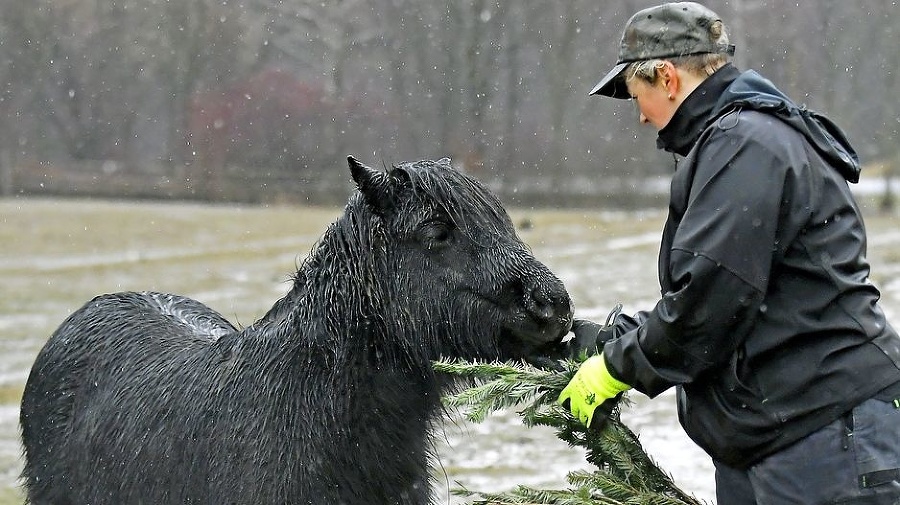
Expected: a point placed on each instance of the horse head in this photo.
(453, 261)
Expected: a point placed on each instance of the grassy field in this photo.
(58, 254)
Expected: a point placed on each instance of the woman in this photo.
(788, 374)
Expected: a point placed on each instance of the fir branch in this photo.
(523, 495)
(625, 474)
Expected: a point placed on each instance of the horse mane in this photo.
(341, 258)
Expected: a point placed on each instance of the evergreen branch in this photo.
(523, 495)
(625, 473)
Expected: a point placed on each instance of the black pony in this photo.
(328, 398)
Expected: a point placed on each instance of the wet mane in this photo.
(465, 200)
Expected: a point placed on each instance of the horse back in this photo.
(128, 323)
(112, 344)
(116, 334)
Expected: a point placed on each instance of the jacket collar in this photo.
(695, 113)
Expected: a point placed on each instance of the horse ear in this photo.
(373, 184)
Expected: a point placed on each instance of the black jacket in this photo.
(767, 322)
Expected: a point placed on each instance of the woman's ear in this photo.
(670, 79)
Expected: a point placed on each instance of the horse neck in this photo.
(338, 302)
(387, 379)
(336, 332)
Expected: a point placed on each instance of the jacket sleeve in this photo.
(716, 270)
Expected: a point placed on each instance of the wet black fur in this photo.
(328, 398)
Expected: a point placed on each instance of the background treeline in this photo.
(202, 92)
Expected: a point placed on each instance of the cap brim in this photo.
(612, 84)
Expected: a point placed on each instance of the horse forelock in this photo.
(466, 201)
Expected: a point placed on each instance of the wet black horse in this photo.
(329, 398)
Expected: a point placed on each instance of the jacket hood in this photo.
(753, 91)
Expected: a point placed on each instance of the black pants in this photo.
(853, 461)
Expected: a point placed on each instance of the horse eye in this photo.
(436, 233)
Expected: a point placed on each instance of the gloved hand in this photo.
(590, 336)
(591, 386)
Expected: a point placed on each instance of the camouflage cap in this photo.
(665, 31)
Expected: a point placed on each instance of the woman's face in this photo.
(655, 105)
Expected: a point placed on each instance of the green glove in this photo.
(590, 387)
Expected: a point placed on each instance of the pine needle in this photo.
(625, 473)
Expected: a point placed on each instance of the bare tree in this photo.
(85, 87)
(493, 84)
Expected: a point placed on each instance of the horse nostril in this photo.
(539, 303)
(547, 304)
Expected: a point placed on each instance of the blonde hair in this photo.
(702, 65)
